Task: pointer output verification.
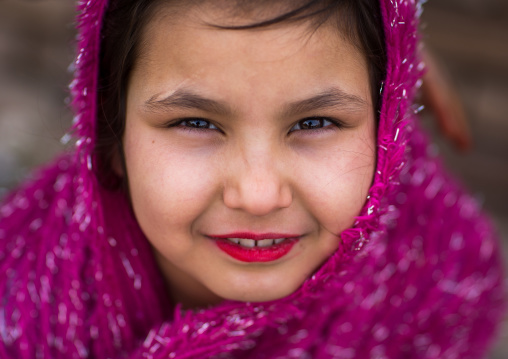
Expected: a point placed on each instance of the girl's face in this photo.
(266, 135)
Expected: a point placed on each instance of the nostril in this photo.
(259, 197)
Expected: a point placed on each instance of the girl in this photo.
(248, 181)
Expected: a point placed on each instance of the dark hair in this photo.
(359, 21)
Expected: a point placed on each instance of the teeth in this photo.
(265, 243)
(250, 243)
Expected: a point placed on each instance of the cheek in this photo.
(335, 180)
(169, 187)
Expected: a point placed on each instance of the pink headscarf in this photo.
(78, 278)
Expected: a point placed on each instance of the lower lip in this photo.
(256, 254)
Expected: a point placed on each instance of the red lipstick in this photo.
(256, 247)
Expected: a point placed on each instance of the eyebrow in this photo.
(332, 98)
(186, 99)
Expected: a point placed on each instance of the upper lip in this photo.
(254, 236)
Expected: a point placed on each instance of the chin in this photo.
(261, 290)
(259, 296)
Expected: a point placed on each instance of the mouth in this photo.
(248, 247)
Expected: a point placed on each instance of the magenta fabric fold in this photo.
(419, 274)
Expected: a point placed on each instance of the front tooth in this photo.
(234, 240)
(265, 243)
(249, 243)
(279, 240)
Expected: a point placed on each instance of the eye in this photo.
(313, 123)
(197, 123)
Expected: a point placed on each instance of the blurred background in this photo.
(469, 39)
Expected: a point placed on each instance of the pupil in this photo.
(197, 123)
(311, 123)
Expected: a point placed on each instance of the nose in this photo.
(257, 185)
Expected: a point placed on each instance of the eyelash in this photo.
(208, 125)
(323, 125)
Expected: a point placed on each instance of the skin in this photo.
(252, 168)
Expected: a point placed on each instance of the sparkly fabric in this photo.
(418, 276)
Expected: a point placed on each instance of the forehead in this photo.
(181, 44)
(245, 18)
(242, 12)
